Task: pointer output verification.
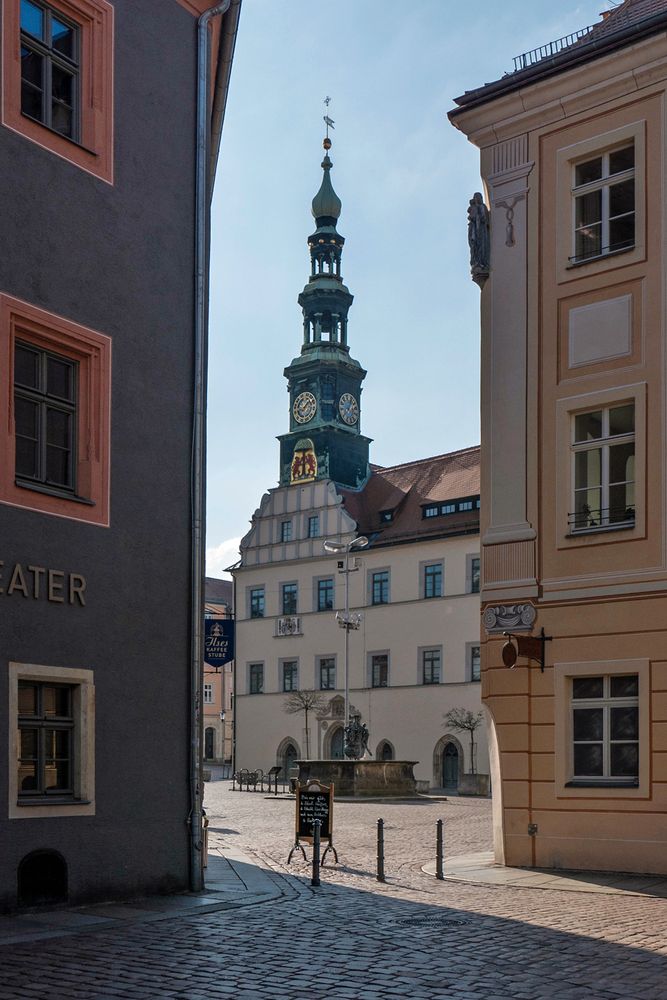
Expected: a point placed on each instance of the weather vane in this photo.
(329, 124)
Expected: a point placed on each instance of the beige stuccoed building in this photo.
(416, 652)
(413, 590)
(573, 148)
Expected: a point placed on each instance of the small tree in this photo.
(305, 701)
(465, 721)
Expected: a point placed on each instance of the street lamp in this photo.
(347, 620)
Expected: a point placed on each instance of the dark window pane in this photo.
(625, 687)
(588, 426)
(31, 102)
(32, 67)
(624, 723)
(588, 241)
(622, 198)
(27, 463)
(621, 462)
(587, 687)
(55, 701)
(588, 209)
(62, 38)
(62, 85)
(58, 467)
(622, 419)
(588, 723)
(26, 370)
(56, 775)
(27, 777)
(588, 759)
(28, 745)
(624, 760)
(587, 469)
(621, 159)
(58, 427)
(62, 120)
(621, 504)
(32, 19)
(26, 417)
(27, 699)
(589, 171)
(59, 378)
(622, 232)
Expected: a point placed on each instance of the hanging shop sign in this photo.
(218, 641)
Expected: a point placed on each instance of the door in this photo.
(209, 744)
(450, 767)
(337, 744)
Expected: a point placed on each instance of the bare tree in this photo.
(305, 701)
(465, 721)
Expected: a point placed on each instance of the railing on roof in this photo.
(550, 49)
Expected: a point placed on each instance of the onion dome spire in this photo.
(326, 204)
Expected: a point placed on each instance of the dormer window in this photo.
(386, 516)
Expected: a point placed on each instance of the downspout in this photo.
(198, 453)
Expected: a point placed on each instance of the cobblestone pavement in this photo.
(355, 938)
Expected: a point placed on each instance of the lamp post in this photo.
(347, 621)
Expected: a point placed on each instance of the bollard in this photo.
(438, 850)
(315, 880)
(380, 865)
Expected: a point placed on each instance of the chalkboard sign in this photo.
(314, 801)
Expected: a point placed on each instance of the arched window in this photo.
(385, 751)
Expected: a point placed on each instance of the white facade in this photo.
(431, 644)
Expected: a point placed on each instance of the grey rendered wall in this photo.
(118, 259)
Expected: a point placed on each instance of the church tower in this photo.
(324, 382)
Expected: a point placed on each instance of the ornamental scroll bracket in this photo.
(500, 617)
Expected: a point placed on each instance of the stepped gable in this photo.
(405, 489)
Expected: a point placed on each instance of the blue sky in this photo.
(404, 175)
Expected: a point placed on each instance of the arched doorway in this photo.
(290, 756)
(450, 767)
(385, 751)
(209, 743)
(336, 744)
(42, 879)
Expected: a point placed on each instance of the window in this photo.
(448, 508)
(52, 771)
(431, 666)
(59, 93)
(256, 602)
(604, 204)
(256, 678)
(50, 69)
(57, 440)
(325, 594)
(208, 694)
(605, 729)
(314, 526)
(386, 516)
(432, 510)
(466, 505)
(46, 726)
(289, 598)
(285, 531)
(290, 672)
(433, 580)
(603, 447)
(45, 393)
(475, 673)
(380, 587)
(379, 670)
(327, 673)
(474, 574)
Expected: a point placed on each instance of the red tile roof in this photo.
(406, 489)
(627, 14)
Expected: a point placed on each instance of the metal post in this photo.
(315, 880)
(347, 640)
(380, 863)
(438, 850)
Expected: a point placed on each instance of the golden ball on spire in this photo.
(327, 143)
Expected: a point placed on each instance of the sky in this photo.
(392, 69)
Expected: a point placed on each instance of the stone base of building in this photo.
(363, 778)
(475, 784)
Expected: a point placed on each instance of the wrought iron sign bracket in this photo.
(531, 646)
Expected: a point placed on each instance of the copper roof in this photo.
(406, 489)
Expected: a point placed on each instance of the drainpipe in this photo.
(198, 453)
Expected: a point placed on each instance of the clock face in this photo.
(305, 407)
(348, 408)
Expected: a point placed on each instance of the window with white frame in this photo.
(255, 678)
(605, 729)
(327, 668)
(431, 661)
(314, 526)
(256, 602)
(325, 594)
(208, 694)
(603, 189)
(603, 452)
(290, 675)
(289, 596)
(379, 670)
(433, 580)
(475, 663)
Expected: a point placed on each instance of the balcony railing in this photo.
(588, 519)
(550, 49)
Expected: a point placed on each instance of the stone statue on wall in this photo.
(478, 239)
(356, 739)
